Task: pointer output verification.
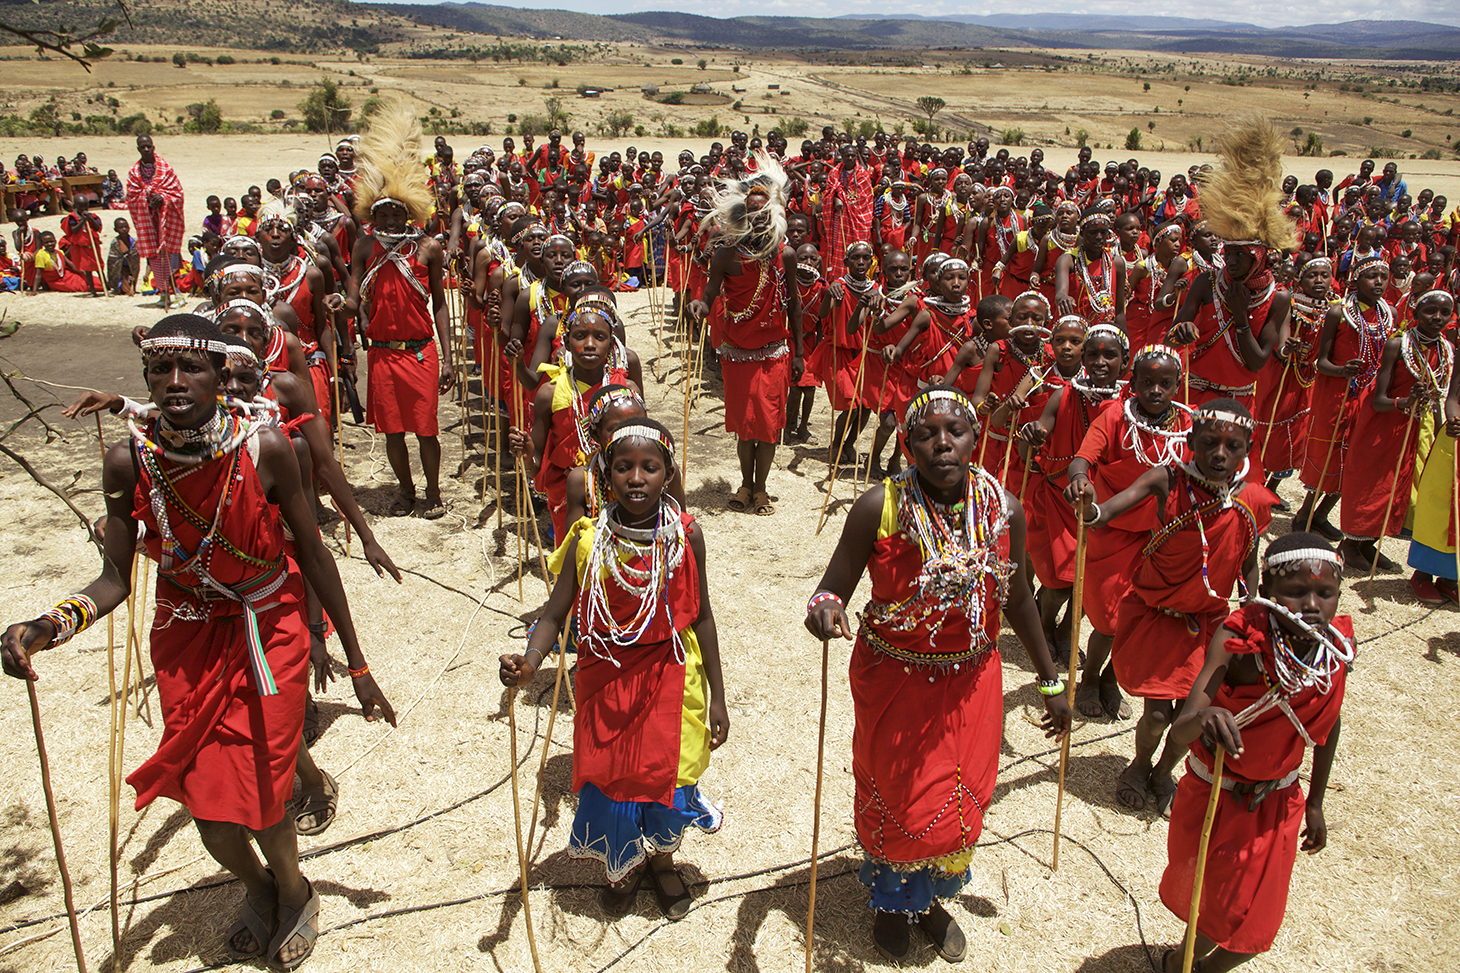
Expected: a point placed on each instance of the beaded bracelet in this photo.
(1095, 507)
(821, 596)
(362, 671)
(74, 614)
(1051, 687)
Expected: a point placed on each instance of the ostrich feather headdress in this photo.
(388, 159)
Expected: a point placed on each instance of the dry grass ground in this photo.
(425, 817)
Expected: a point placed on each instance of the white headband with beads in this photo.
(1105, 328)
(1288, 561)
(1221, 415)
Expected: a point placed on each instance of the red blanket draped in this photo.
(158, 231)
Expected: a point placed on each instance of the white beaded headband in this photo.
(1222, 415)
(184, 342)
(928, 400)
(1071, 320)
(1156, 351)
(1286, 561)
(1434, 292)
(952, 263)
(1108, 329)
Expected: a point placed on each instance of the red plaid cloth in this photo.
(852, 224)
(160, 232)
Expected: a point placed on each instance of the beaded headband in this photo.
(1205, 415)
(610, 398)
(172, 342)
(243, 352)
(1035, 296)
(929, 402)
(1365, 262)
(1067, 204)
(1107, 329)
(952, 263)
(1148, 352)
(858, 245)
(1287, 561)
(1001, 190)
(240, 303)
(239, 270)
(1072, 319)
(1323, 262)
(1098, 220)
(527, 230)
(239, 240)
(329, 157)
(1168, 228)
(634, 429)
(1439, 292)
(560, 238)
(388, 199)
(578, 267)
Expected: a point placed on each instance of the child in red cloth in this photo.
(810, 288)
(651, 701)
(1187, 571)
(1271, 687)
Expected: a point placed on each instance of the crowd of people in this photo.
(1088, 366)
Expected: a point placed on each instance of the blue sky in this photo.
(1264, 12)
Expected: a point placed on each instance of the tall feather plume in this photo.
(763, 233)
(1243, 199)
(388, 158)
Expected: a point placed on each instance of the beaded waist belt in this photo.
(416, 346)
(979, 646)
(250, 594)
(253, 590)
(1256, 792)
(770, 352)
(1233, 391)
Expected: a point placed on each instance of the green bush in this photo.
(277, 113)
(618, 123)
(676, 60)
(1133, 140)
(795, 128)
(224, 59)
(1432, 154)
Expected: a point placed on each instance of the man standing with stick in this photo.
(155, 199)
(754, 271)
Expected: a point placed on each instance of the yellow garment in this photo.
(44, 260)
(1434, 496)
(887, 526)
(694, 733)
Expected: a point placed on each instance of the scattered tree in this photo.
(326, 109)
(1133, 140)
(930, 106)
(618, 123)
(702, 64)
(557, 118)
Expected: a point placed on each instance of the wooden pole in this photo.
(496, 425)
(40, 746)
(877, 417)
(689, 354)
(548, 738)
(517, 819)
(1272, 417)
(1201, 862)
(96, 253)
(1393, 492)
(339, 434)
(114, 785)
(1077, 609)
(140, 591)
(537, 536)
(816, 807)
(1332, 439)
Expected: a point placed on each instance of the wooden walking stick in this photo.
(139, 593)
(877, 415)
(847, 433)
(40, 746)
(96, 254)
(548, 737)
(816, 811)
(1201, 862)
(536, 533)
(1332, 439)
(1077, 609)
(1272, 417)
(1393, 492)
(113, 784)
(517, 820)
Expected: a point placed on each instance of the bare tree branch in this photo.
(34, 475)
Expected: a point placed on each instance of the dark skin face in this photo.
(1311, 595)
(243, 381)
(639, 474)
(613, 417)
(896, 270)
(589, 340)
(1369, 285)
(185, 385)
(1104, 360)
(859, 262)
(1030, 316)
(1067, 342)
(942, 445)
(1154, 385)
(1218, 449)
(952, 283)
(247, 326)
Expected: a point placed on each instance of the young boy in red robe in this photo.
(230, 646)
(810, 288)
(1187, 571)
(81, 239)
(846, 307)
(1271, 687)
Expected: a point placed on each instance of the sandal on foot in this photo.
(434, 509)
(674, 906)
(257, 919)
(1165, 791)
(618, 900)
(1088, 702)
(1130, 788)
(943, 932)
(761, 504)
(892, 935)
(740, 501)
(302, 922)
(1113, 701)
(402, 505)
(320, 805)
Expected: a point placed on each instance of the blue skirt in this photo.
(622, 834)
(911, 893)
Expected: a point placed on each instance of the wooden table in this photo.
(14, 190)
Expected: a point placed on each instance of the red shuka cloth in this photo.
(626, 734)
(810, 298)
(853, 224)
(1250, 855)
(82, 241)
(401, 386)
(1215, 359)
(1113, 551)
(1284, 409)
(839, 358)
(160, 231)
(1379, 437)
(752, 315)
(925, 751)
(226, 752)
(1009, 371)
(1051, 531)
(1157, 654)
(296, 292)
(1335, 407)
(561, 451)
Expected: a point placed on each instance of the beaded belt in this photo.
(252, 591)
(1233, 391)
(1258, 791)
(770, 352)
(416, 346)
(941, 660)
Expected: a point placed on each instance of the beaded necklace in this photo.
(764, 275)
(615, 548)
(1101, 298)
(1224, 318)
(1309, 315)
(1040, 360)
(1371, 334)
(1004, 233)
(1222, 493)
(222, 434)
(1433, 381)
(1168, 435)
(1156, 275)
(1330, 651)
(1065, 241)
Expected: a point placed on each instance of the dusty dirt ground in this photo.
(416, 866)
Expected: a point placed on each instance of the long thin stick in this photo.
(841, 441)
(1455, 499)
(517, 819)
(334, 369)
(96, 253)
(1077, 609)
(1009, 448)
(1332, 439)
(537, 536)
(114, 786)
(1389, 509)
(816, 811)
(144, 695)
(40, 746)
(1201, 862)
(877, 416)
(1272, 417)
(689, 354)
(548, 738)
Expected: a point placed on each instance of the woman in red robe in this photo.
(1188, 569)
(1285, 385)
(1272, 686)
(943, 544)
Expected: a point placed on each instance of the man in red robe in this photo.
(155, 199)
(846, 211)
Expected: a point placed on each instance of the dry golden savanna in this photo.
(417, 869)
